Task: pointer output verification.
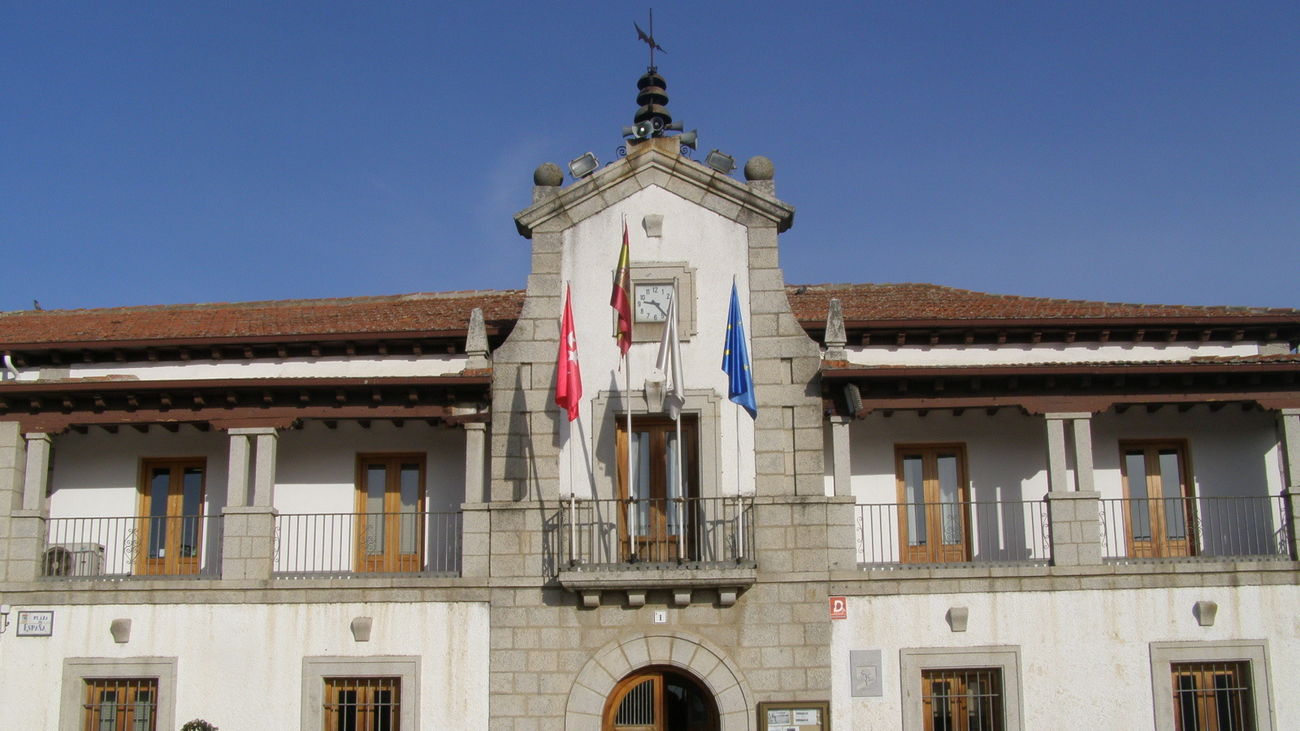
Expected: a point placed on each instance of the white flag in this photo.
(669, 363)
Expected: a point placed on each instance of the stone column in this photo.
(27, 524)
(16, 555)
(475, 547)
(248, 539)
(237, 472)
(841, 455)
(1073, 507)
(1289, 426)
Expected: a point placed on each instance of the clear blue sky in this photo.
(222, 151)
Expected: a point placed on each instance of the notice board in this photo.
(794, 716)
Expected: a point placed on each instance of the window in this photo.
(1211, 686)
(934, 518)
(121, 704)
(118, 694)
(1212, 696)
(961, 689)
(170, 530)
(360, 693)
(659, 698)
(362, 704)
(1160, 514)
(658, 524)
(965, 699)
(390, 512)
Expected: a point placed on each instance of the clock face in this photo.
(651, 302)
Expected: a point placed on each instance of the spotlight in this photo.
(721, 162)
(582, 166)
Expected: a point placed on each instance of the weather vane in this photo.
(649, 38)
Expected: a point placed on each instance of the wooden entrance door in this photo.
(659, 699)
(655, 516)
(390, 513)
(1161, 514)
(170, 527)
(934, 516)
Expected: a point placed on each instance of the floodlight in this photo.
(721, 162)
(584, 165)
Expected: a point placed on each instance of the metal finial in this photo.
(649, 38)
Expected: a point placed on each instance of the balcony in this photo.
(328, 545)
(1194, 527)
(994, 532)
(182, 546)
(678, 544)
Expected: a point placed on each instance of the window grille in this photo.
(120, 704)
(962, 699)
(1212, 696)
(362, 704)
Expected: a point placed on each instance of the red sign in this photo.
(839, 607)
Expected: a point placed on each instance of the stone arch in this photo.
(689, 652)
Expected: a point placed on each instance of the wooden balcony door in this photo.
(933, 518)
(170, 529)
(1159, 516)
(390, 513)
(659, 699)
(652, 528)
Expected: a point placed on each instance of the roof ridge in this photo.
(193, 306)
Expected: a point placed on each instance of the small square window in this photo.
(375, 693)
(1209, 696)
(961, 688)
(1211, 685)
(965, 699)
(362, 704)
(118, 694)
(120, 704)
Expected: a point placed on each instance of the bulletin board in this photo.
(794, 716)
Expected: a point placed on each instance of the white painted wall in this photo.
(1085, 656)
(330, 367)
(1011, 354)
(240, 666)
(717, 249)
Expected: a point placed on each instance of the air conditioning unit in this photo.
(74, 559)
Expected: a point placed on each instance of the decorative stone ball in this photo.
(759, 168)
(548, 173)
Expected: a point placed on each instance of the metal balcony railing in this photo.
(133, 547)
(352, 544)
(1008, 531)
(1209, 527)
(670, 532)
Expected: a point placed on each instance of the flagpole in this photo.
(631, 476)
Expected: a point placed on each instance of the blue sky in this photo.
(225, 151)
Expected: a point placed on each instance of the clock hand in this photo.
(659, 307)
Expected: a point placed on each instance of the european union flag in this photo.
(735, 359)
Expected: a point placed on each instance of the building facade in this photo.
(948, 509)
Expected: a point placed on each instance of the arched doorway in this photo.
(659, 698)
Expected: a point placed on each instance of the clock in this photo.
(651, 300)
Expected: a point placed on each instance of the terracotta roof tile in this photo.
(912, 301)
(449, 312)
(413, 313)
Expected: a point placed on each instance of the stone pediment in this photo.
(655, 162)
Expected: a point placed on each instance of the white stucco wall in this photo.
(240, 666)
(1085, 655)
(717, 248)
(957, 355)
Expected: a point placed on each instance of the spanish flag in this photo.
(621, 299)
